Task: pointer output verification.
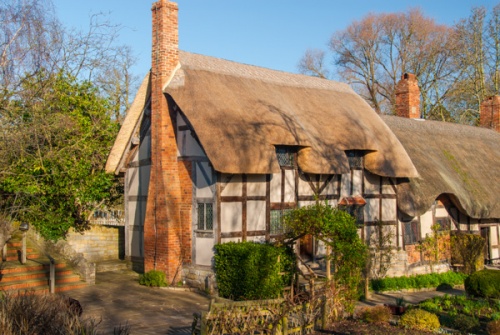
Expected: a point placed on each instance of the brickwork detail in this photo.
(408, 97)
(489, 111)
(99, 243)
(166, 210)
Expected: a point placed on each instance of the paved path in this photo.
(118, 299)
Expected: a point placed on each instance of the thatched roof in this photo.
(118, 152)
(456, 160)
(240, 112)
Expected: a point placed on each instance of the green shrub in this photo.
(153, 278)
(431, 280)
(484, 283)
(465, 324)
(467, 249)
(420, 320)
(376, 314)
(493, 327)
(250, 271)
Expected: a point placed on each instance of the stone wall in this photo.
(100, 243)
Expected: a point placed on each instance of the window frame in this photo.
(415, 233)
(204, 225)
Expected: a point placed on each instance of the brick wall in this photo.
(167, 239)
(100, 243)
(408, 97)
(490, 113)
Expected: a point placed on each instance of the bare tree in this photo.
(32, 39)
(479, 59)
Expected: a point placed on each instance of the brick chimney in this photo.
(162, 225)
(408, 97)
(489, 113)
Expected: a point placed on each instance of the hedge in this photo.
(484, 283)
(431, 280)
(251, 271)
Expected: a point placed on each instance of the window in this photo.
(444, 223)
(411, 235)
(355, 158)
(205, 216)
(286, 156)
(356, 212)
(277, 222)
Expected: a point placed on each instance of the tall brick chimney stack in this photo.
(162, 225)
(489, 113)
(408, 97)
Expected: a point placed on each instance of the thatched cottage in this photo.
(215, 151)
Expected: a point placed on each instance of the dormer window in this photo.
(355, 158)
(286, 156)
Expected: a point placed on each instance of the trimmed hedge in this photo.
(431, 280)
(251, 271)
(484, 283)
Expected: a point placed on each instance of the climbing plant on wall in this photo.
(338, 231)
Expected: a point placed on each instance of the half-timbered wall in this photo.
(136, 191)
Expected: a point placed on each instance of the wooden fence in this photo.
(276, 316)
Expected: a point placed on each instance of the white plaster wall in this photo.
(387, 188)
(204, 250)
(357, 182)
(331, 187)
(426, 222)
(289, 186)
(203, 186)
(230, 239)
(345, 185)
(304, 188)
(306, 203)
(186, 143)
(389, 210)
(441, 212)
(371, 183)
(234, 187)
(256, 215)
(275, 187)
(256, 185)
(145, 147)
(371, 209)
(231, 217)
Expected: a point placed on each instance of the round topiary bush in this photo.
(376, 314)
(484, 283)
(420, 320)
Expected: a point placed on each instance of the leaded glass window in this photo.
(411, 235)
(355, 158)
(286, 156)
(277, 221)
(205, 216)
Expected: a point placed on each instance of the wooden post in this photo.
(23, 251)
(52, 276)
(328, 262)
(4, 252)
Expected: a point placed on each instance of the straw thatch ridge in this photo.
(240, 112)
(130, 123)
(459, 161)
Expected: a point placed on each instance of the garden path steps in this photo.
(35, 274)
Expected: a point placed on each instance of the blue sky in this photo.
(267, 33)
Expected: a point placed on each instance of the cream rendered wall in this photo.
(426, 222)
(494, 241)
(231, 217)
(256, 185)
(256, 215)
